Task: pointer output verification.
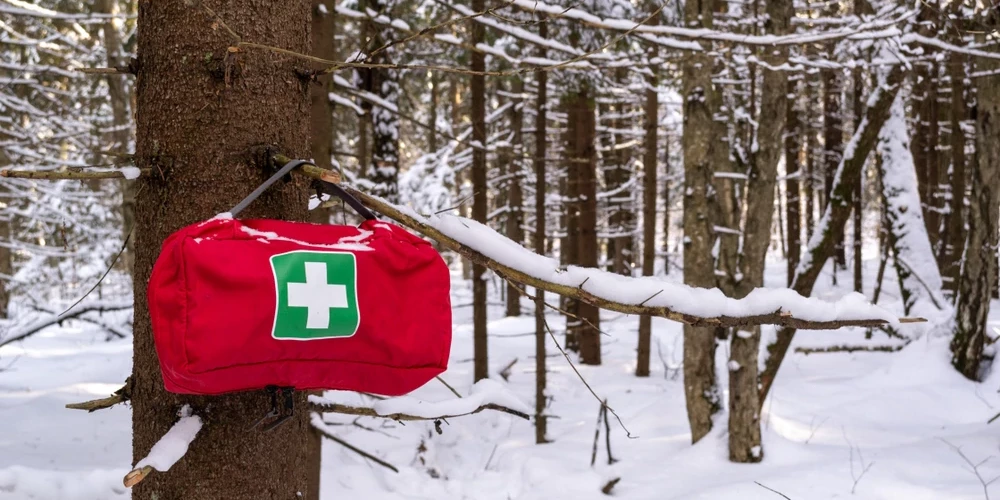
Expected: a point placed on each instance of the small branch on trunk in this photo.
(73, 173)
(505, 373)
(169, 449)
(120, 396)
(317, 423)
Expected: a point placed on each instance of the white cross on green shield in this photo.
(316, 295)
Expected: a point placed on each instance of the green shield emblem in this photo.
(317, 295)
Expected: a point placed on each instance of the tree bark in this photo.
(953, 229)
(479, 200)
(649, 184)
(208, 133)
(583, 176)
(821, 244)
(857, 205)
(793, 214)
(321, 109)
(515, 198)
(541, 146)
(833, 142)
(700, 388)
(978, 277)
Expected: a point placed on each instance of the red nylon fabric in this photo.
(212, 300)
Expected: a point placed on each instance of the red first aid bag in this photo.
(246, 304)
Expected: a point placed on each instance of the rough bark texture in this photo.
(833, 141)
(478, 114)
(583, 181)
(383, 166)
(207, 133)
(978, 275)
(541, 143)
(649, 183)
(821, 245)
(953, 229)
(700, 389)
(515, 198)
(321, 109)
(793, 213)
(856, 98)
(744, 406)
(120, 136)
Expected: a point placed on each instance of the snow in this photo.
(174, 444)
(650, 291)
(131, 172)
(484, 392)
(353, 243)
(896, 408)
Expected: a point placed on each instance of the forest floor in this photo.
(867, 425)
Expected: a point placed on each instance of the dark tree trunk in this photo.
(649, 183)
(541, 421)
(833, 143)
(478, 113)
(953, 237)
(666, 204)
(857, 205)
(515, 198)
(793, 145)
(321, 124)
(700, 388)
(583, 175)
(209, 137)
(978, 278)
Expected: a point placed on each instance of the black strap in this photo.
(328, 187)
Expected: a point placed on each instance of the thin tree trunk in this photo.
(649, 184)
(541, 421)
(479, 200)
(833, 143)
(793, 177)
(583, 161)
(188, 114)
(857, 205)
(821, 245)
(666, 204)
(953, 236)
(979, 267)
(744, 406)
(435, 90)
(569, 246)
(321, 109)
(515, 198)
(700, 388)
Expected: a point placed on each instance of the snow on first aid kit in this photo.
(247, 304)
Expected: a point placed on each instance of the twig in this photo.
(597, 434)
(169, 449)
(67, 174)
(450, 388)
(610, 485)
(319, 426)
(43, 324)
(579, 375)
(975, 467)
(607, 434)
(120, 396)
(772, 490)
(505, 373)
(364, 411)
(864, 467)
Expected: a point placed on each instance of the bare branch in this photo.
(364, 411)
(319, 426)
(120, 396)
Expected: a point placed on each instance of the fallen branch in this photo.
(73, 173)
(486, 395)
(120, 396)
(317, 423)
(168, 450)
(849, 348)
(610, 485)
(56, 319)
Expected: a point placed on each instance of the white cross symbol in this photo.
(317, 296)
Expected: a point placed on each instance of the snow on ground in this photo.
(861, 425)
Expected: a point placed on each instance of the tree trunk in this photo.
(666, 204)
(208, 136)
(700, 388)
(569, 246)
(833, 143)
(515, 198)
(120, 137)
(649, 183)
(857, 205)
(541, 421)
(478, 113)
(793, 145)
(321, 109)
(953, 235)
(583, 174)
(821, 244)
(978, 276)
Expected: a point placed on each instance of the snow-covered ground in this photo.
(859, 425)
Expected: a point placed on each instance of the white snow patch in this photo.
(174, 444)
